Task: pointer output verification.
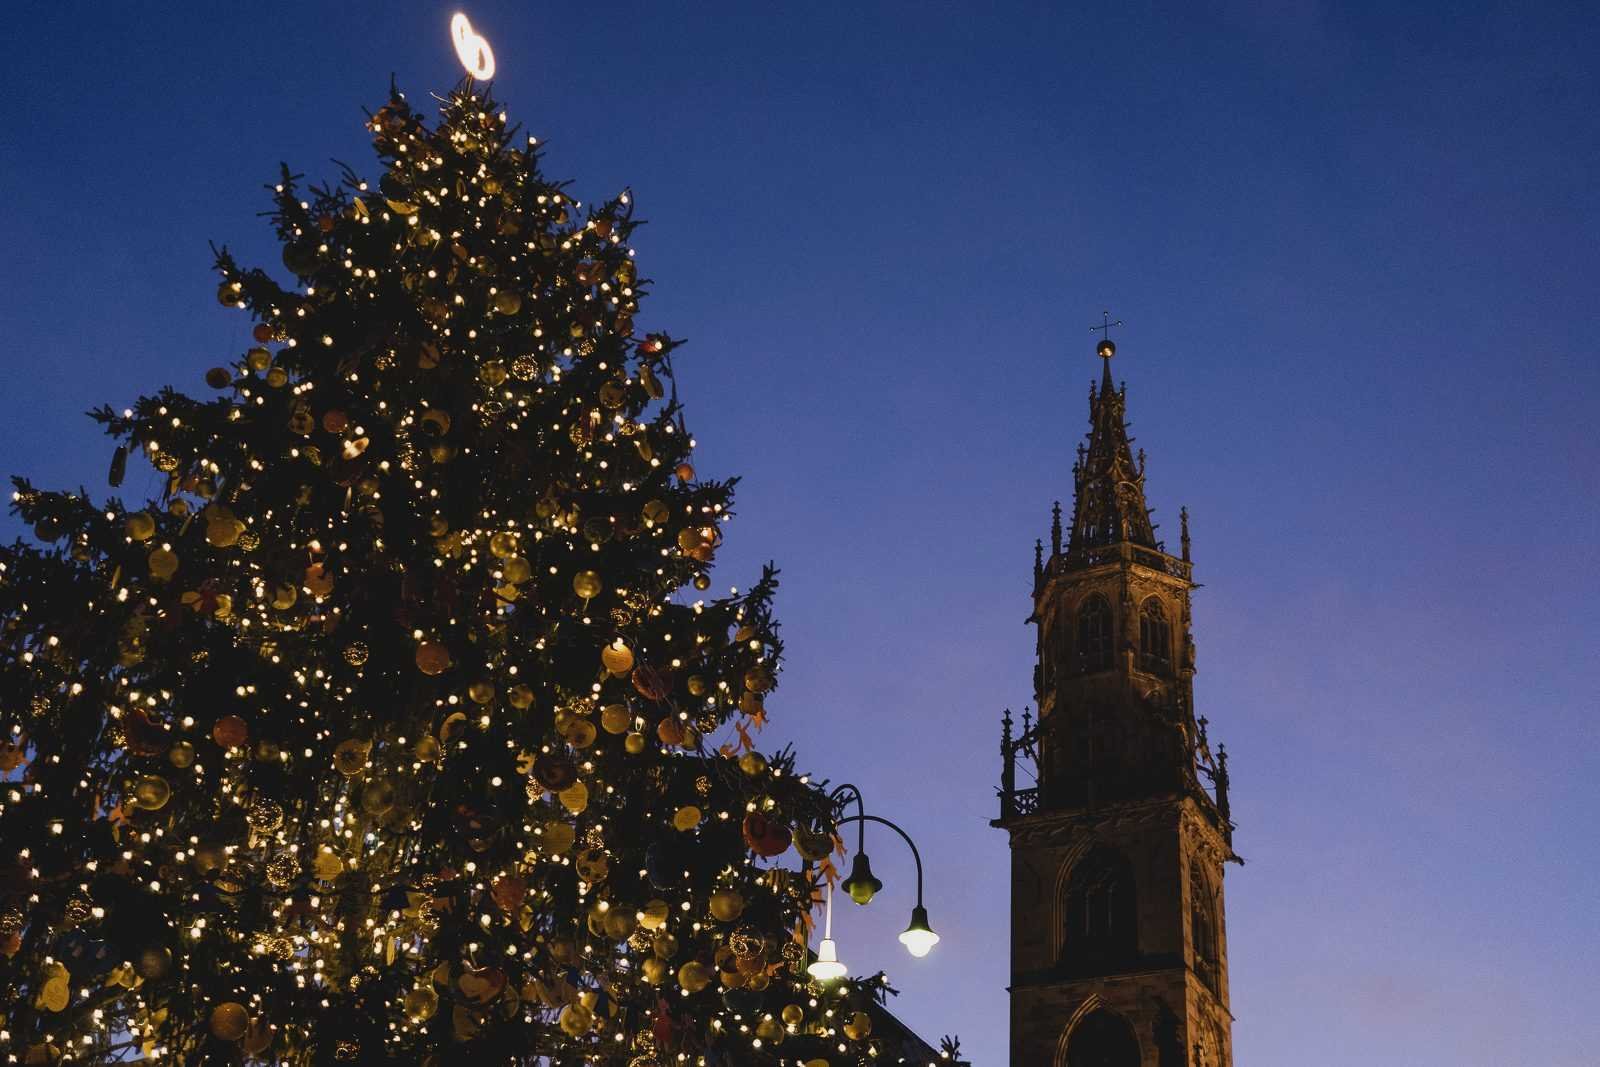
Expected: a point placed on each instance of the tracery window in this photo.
(1155, 634)
(1098, 913)
(1094, 635)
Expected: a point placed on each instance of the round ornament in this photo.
(163, 564)
(617, 658)
(587, 584)
(765, 837)
(140, 526)
(726, 905)
(615, 718)
(230, 731)
(554, 772)
(575, 798)
(420, 1003)
(152, 792)
(229, 1021)
(693, 976)
(558, 836)
(433, 658)
(654, 915)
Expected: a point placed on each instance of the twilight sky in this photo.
(1357, 247)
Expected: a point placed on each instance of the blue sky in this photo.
(1357, 249)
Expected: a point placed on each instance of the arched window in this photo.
(1098, 913)
(1203, 925)
(1102, 1039)
(1094, 635)
(1155, 635)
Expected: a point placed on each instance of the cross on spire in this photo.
(1107, 347)
(1105, 325)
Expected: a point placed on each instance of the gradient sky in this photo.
(1357, 248)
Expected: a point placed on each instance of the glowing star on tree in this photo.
(472, 48)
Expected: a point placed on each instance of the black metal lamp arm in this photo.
(839, 796)
(915, 855)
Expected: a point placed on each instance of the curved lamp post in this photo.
(862, 885)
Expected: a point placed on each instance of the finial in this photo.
(1107, 347)
(1038, 561)
(1055, 528)
(1183, 518)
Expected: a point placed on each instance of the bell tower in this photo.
(1118, 946)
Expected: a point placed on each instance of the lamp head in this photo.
(826, 967)
(861, 885)
(919, 937)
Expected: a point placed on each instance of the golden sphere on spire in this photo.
(1106, 348)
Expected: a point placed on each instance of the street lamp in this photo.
(826, 967)
(862, 885)
(919, 938)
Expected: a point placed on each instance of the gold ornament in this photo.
(420, 1003)
(282, 870)
(693, 976)
(264, 816)
(151, 792)
(350, 756)
(686, 818)
(432, 658)
(229, 1021)
(163, 563)
(574, 798)
(617, 658)
(654, 915)
(356, 653)
(615, 718)
(327, 866)
(558, 836)
(587, 584)
(726, 905)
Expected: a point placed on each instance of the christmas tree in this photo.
(395, 729)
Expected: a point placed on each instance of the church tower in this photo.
(1118, 946)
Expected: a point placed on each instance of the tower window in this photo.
(1203, 926)
(1098, 912)
(1155, 634)
(1102, 1039)
(1094, 635)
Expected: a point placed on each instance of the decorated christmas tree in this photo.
(397, 728)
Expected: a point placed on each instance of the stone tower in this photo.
(1118, 947)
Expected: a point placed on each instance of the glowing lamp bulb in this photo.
(919, 938)
(826, 967)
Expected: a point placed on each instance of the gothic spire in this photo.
(1109, 506)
